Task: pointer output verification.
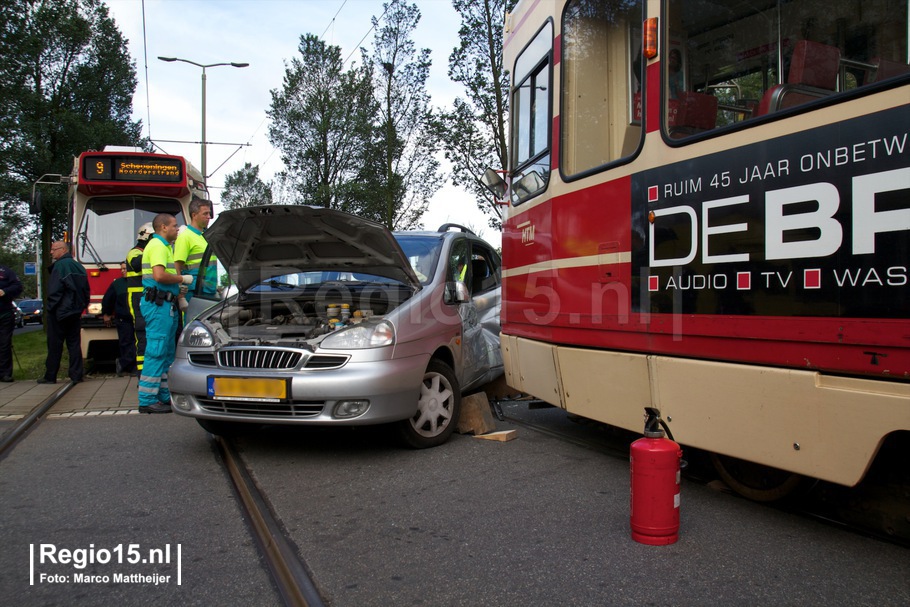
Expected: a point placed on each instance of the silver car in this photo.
(337, 321)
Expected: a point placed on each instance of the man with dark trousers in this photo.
(116, 311)
(67, 298)
(10, 289)
(134, 288)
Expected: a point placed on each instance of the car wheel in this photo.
(227, 429)
(437, 409)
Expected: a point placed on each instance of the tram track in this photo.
(25, 425)
(288, 571)
(857, 510)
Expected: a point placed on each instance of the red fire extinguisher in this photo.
(656, 464)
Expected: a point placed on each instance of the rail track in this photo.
(289, 572)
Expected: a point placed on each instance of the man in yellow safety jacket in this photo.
(161, 302)
(134, 289)
(190, 246)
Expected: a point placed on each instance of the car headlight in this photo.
(364, 335)
(197, 336)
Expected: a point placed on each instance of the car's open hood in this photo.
(257, 243)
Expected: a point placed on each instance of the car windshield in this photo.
(30, 305)
(422, 253)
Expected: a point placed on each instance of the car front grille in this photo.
(293, 409)
(266, 358)
(258, 358)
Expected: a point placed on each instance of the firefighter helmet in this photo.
(145, 232)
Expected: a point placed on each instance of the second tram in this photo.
(112, 194)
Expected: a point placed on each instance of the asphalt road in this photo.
(533, 521)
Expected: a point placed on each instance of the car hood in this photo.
(257, 243)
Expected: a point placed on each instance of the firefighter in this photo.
(134, 288)
(190, 246)
(160, 304)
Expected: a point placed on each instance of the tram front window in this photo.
(108, 226)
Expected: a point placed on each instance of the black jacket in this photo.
(67, 291)
(11, 287)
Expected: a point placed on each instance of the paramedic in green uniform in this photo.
(191, 244)
(159, 307)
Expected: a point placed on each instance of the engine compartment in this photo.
(270, 318)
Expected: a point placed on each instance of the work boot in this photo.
(156, 408)
(118, 367)
(44, 380)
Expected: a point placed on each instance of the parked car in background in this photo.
(31, 310)
(337, 321)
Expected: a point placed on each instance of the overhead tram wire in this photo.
(333, 19)
(331, 22)
(145, 53)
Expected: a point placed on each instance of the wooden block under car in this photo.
(476, 417)
(501, 436)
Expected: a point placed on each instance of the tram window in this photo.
(107, 230)
(531, 118)
(599, 83)
(741, 60)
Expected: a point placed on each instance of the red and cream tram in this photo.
(709, 214)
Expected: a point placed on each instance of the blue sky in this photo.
(265, 34)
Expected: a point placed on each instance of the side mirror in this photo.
(457, 293)
(494, 183)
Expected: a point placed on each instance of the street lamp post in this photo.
(232, 64)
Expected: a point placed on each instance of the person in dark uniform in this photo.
(10, 289)
(134, 288)
(115, 309)
(67, 298)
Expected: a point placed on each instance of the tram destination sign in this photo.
(816, 223)
(132, 168)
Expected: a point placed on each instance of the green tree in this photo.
(402, 155)
(244, 188)
(321, 122)
(66, 86)
(474, 132)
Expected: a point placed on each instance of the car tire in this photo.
(227, 429)
(438, 407)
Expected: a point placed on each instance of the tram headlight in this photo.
(197, 336)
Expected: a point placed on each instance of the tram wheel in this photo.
(756, 482)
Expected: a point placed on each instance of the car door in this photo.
(482, 358)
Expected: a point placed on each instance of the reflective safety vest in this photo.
(189, 249)
(158, 253)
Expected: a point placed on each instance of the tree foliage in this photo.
(404, 143)
(66, 86)
(321, 122)
(244, 188)
(475, 132)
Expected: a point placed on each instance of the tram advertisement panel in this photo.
(811, 224)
